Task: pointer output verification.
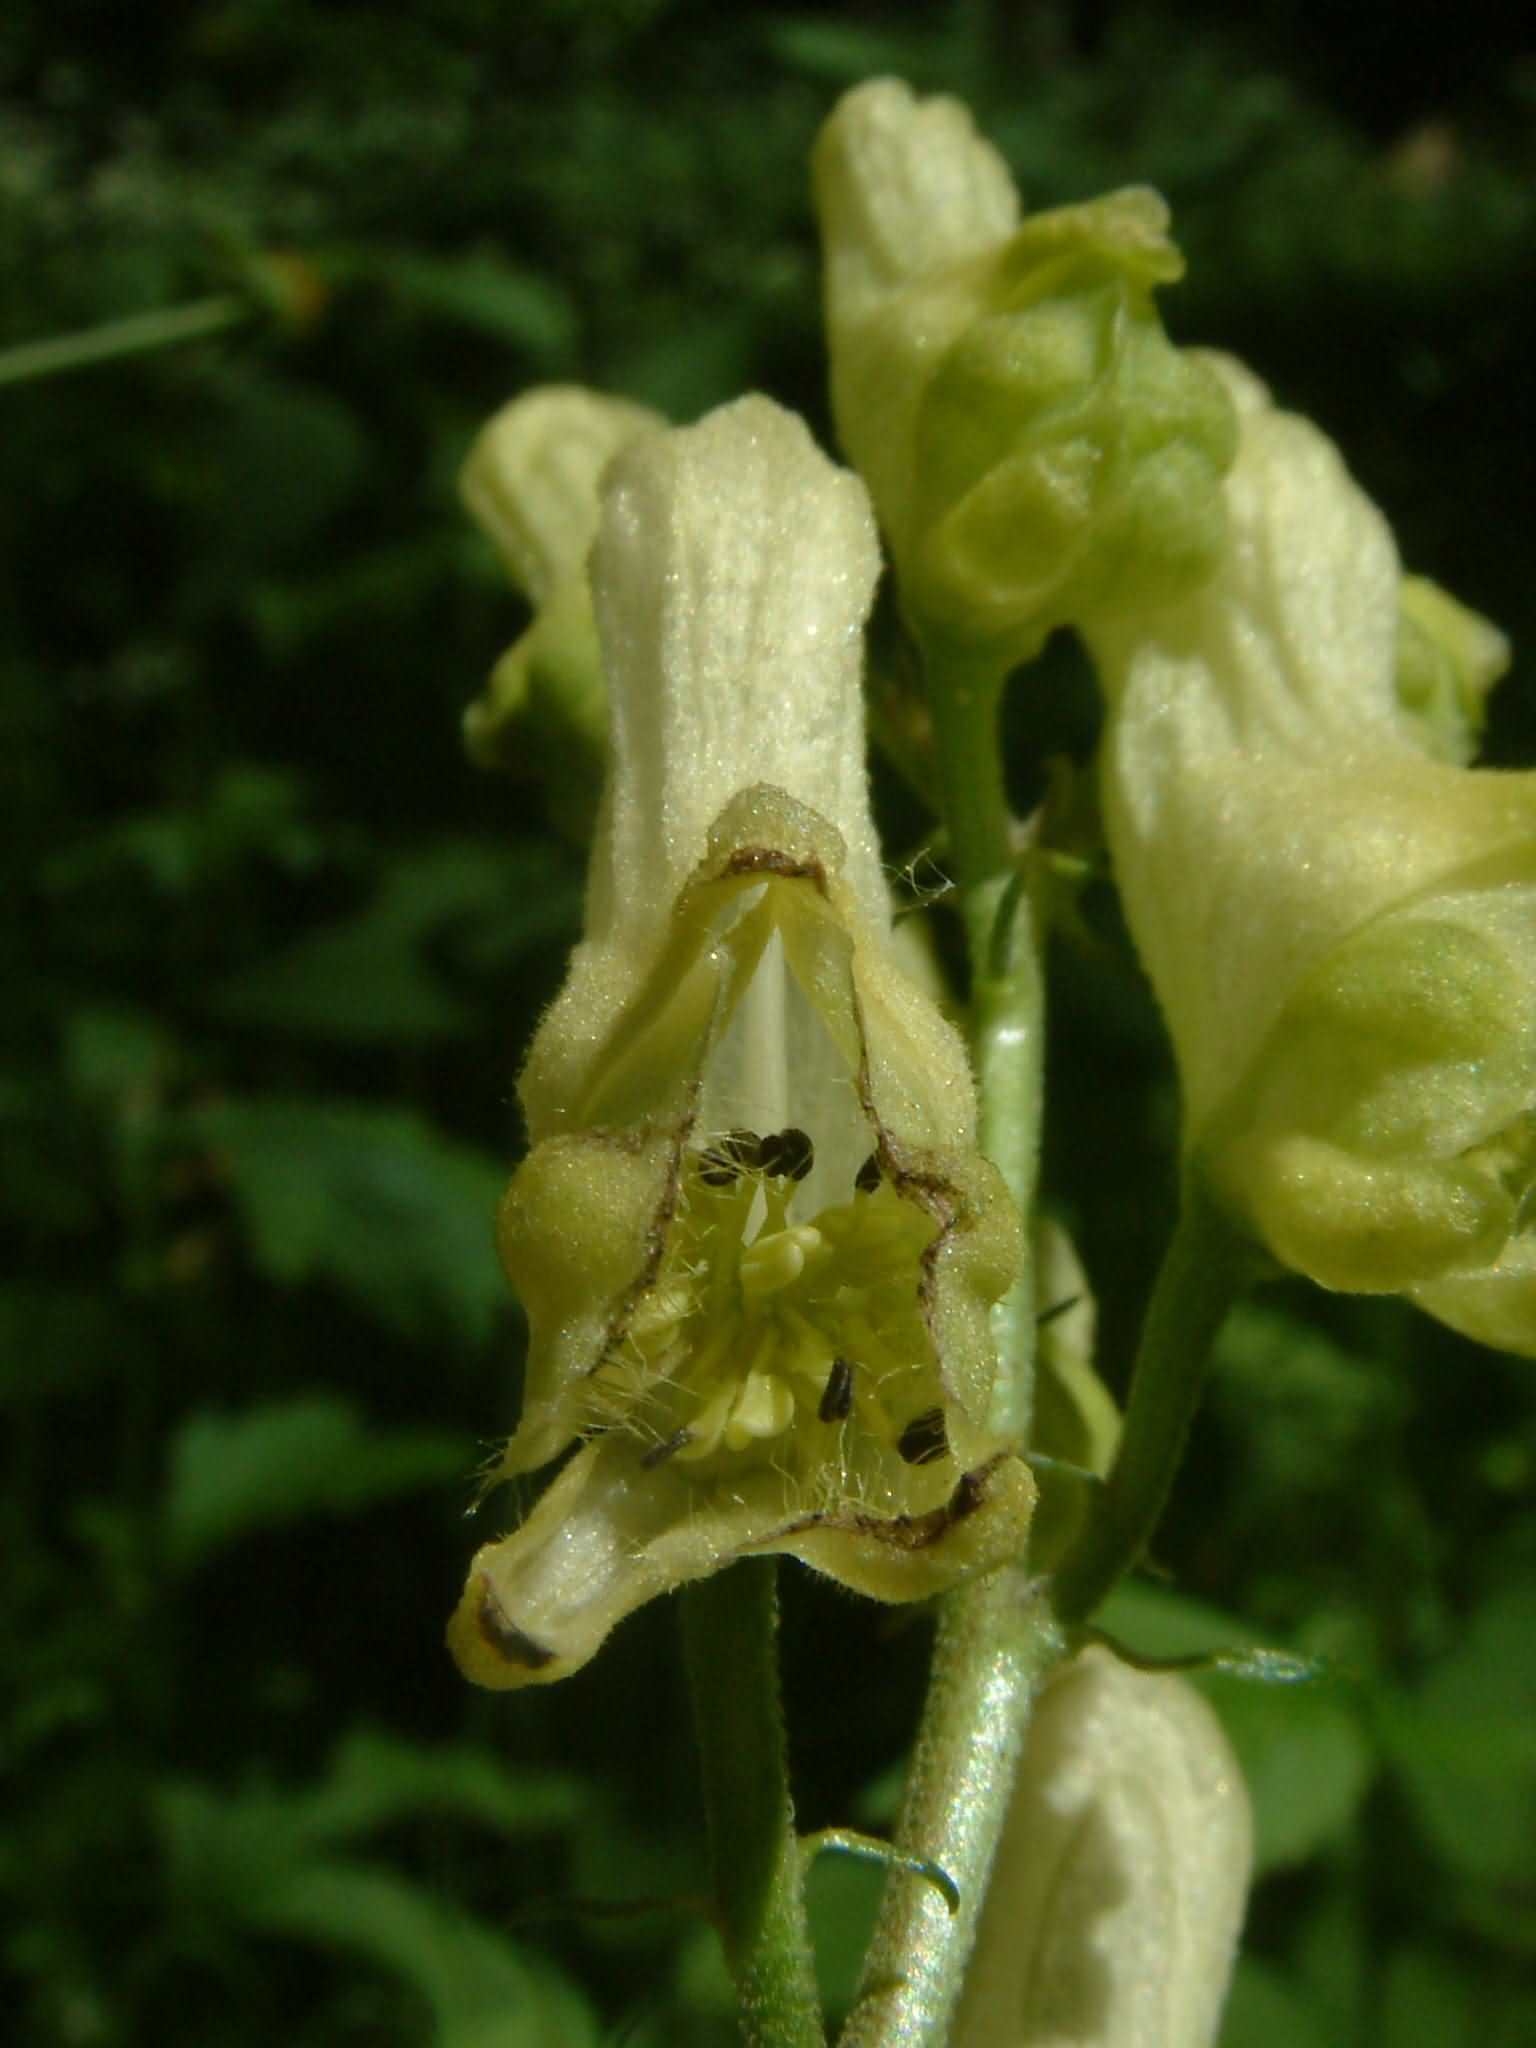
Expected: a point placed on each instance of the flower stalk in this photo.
(1208, 1264)
(730, 1641)
(964, 697)
(997, 1638)
(996, 1642)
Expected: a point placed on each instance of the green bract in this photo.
(1036, 449)
(755, 1240)
(1341, 928)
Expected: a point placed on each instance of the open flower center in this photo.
(800, 1343)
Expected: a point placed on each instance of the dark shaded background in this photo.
(271, 949)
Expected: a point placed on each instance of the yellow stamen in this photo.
(765, 1407)
(777, 1259)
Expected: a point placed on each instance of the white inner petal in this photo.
(776, 1066)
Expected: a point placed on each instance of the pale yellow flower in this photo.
(754, 1238)
(1341, 927)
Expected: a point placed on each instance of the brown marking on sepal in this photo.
(921, 1532)
(655, 1239)
(508, 1641)
(970, 1491)
(771, 860)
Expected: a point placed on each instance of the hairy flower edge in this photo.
(761, 1340)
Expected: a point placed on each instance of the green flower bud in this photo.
(1341, 928)
(1117, 1896)
(532, 480)
(756, 1242)
(1038, 452)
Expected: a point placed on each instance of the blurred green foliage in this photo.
(270, 950)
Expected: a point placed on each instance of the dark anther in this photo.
(867, 1179)
(788, 1152)
(837, 1395)
(923, 1439)
(658, 1454)
(721, 1164)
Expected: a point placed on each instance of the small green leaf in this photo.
(1424, 2003)
(841, 53)
(478, 289)
(1154, 1622)
(1464, 1744)
(1303, 1747)
(249, 813)
(376, 1201)
(379, 592)
(376, 1778)
(1319, 1402)
(233, 1474)
(222, 1854)
(116, 1053)
(483, 1991)
(228, 1845)
(1307, 1761)
(1268, 2009)
(292, 452)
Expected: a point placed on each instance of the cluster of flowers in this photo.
(755, 1238)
